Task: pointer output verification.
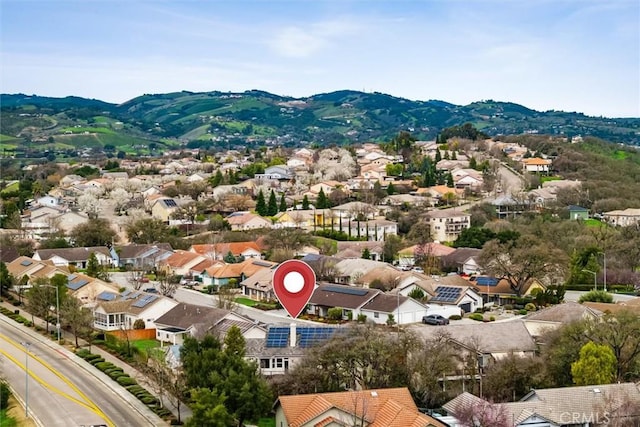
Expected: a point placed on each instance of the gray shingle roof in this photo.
(564, 313)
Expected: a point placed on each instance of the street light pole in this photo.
(604, 278)
(26, 378)
(595, 283)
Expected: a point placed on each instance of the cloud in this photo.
(299, 42)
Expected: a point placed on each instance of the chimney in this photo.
(292, 335)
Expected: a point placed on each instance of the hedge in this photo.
(476, 316)
(125, 380)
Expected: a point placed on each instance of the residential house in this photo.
(196, 321)
(221, 274)
(622, 218)
(390, 407)
(467, 178)
(87, 289)
(327, 187)
(463, 261)
(243, 220)
(500, 291)
(277, 173)
(585, 406)
(120, 311)
(78, 257)
(549, 318)
(536, 165)
(447, 224)
(47, 200)
(141, 256)
(402, 310)
(407, 256)
(491, 341)
(508, 206)
(164, 208)
(578, 212)
(298, 218)
(357, 249)
(219, 250)
(454, 300)
(351, 269)
(33, 269)
(259, 286)
(180, 262)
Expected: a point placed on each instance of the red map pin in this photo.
(293, 284)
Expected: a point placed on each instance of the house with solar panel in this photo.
(163, 209)
(284, 346)
(454, 300)
(500, 292)
(119, 311)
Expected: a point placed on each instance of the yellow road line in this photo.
(89, 404)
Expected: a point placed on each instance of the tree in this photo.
(392, 245)
(523, 260)
(139, 324)
(95, 232)
(167, 284)
(40, 298)
(89, 204)
(366, 254)
(481, 413)
(75, 317)
(120, 197)
(305, 203)
(283, 204)
(147, 230)
(322, 202)
(272, 206)
(261, 205)
(450, 182)
(7, 281)
(209, 409)
(93, 266)
(391, 189)
(597, 365)
(596, 296)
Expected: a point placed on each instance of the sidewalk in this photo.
(185, 412)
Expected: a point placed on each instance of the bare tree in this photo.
(167, 283)
(482, 413)
(75, 317)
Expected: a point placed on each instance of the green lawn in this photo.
(145, 344)
(592, 223)
(246, 301)
(267, 422)
(13, 187)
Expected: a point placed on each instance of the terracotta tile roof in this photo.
(181, 258)
(248, 268)
(432, 248)
(236, 248)
(536, 161)
(391, 407)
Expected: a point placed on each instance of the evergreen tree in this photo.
(450, 182)
(473, 163)
(261, 205)
(454, 156)
(438, 155)
(6, 279)
(217, 179)
(446, 155)
(366, 254)
(322, 202)
(283, 204)
(305, 202)
(391, 189)
(272, 206)
(93, 266)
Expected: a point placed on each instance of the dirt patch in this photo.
(16, 411)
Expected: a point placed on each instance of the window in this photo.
(264, 363)
(376, 314)
(279, 363)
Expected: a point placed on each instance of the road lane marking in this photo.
(88, 403)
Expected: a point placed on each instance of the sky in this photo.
(570, 55)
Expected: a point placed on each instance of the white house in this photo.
(447, 224)
(120, 311)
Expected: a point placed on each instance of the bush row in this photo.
(15, 315)
(117, 374)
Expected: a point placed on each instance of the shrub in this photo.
(522, 312)
(125, 380)
(114, 375)
(4, 395)
(508, 307)
(92, 356)
(476, 316)
(139, 324)
(455, 317)
(103, 366)
(133, 389)
(148, 400)
(82, 352)
(492, 319)
(96, 361)
(362, 318)
(596, 296)
(530, 307)
(334, 313)
(416, 294)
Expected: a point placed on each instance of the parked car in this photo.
(417, 270)
(435, 319)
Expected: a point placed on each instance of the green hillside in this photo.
(32, 124)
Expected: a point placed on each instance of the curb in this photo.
(32, 416)
(142, 409)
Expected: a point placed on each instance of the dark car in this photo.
(435, 319)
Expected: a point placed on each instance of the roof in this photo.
(236, 248)
(461, 255)
(494, 337)
(341, 296)
(384, 303)
(181, 258)
(432, 248)
(135, 251)
(248, 268)
(553, 404)
(240, 218)
(446, 213)
(574, 208)
(73, 254)
(536, 161)
(564, 313)
(184, 316)
(391, 407)
(502, 287)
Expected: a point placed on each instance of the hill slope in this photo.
(258, 117)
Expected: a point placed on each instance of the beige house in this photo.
(536, 165)
(163, 209)
(247, 221)
(622, 218)
(447, 224)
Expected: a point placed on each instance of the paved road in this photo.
(511, 182)
(61, 393)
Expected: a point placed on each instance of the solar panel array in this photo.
(142, 302)
(346, 290)
(486, 281)
(107, 296)
(125, 293)
(72, 277)
(447, 294)
(26, 263)
(170, 203)
(77, 285)
(310, 336)
(277, 337)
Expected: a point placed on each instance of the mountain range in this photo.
(254, 118)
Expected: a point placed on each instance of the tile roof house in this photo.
(622, 218)
(391, 407)
(536, 165)
(586, 406)
(356, 249)
(74, 256)
(220, 274)
(247, 221)
(220, 250)
(407, 256)
(180, 262)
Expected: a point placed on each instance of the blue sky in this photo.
(572, 55)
